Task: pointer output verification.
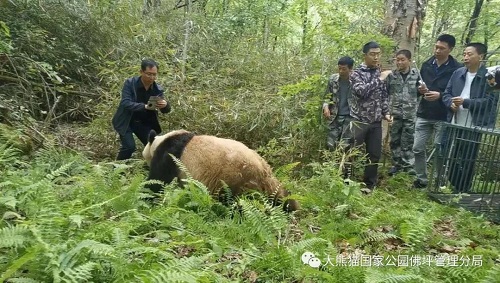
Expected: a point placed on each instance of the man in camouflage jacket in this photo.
(336, 104)
(403, 94)
(369, 105)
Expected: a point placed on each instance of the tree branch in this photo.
(179, 5)
(19, 80)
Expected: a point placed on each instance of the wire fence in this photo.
(465, 166)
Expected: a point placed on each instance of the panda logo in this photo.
(309, 258)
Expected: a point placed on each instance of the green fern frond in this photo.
(285, 171)
(177, 270)
(376, 237)
(30, 254)
(81, 273)
(462, 274)
(181, 166)
(162, 276)
(59, 171)
(199, 185)
(306, 244)
(397, 279)
(493, 275)
(6, 184)
(374, 276)
(263, 221)
(14, 236)
(67, 260)
(415, 229)
(22, 280)
(8, 155)
(48, 214)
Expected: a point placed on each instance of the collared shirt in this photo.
(439, 69)
(436, 79)
(143, 97)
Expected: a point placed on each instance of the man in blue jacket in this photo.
(137, 113)
(431, 113)
(471, 103)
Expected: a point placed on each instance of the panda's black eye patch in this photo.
(163, 167)
(152, 135)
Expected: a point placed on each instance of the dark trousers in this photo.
(371, 136)
(464, 151)
(337, 129)
(141, 131)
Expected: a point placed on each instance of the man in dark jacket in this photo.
(431, 113)
(471, 103)
(137, 112)
(369, 104)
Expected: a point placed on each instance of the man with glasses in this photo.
(137, 114)
(369, 104)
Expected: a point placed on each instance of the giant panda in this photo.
(214, 162)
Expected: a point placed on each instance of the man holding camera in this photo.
(137, 114)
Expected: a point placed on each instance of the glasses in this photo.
(151, 75)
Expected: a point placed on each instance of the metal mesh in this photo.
(466, 167)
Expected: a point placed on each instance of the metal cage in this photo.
(465, 168)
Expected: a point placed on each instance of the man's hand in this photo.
(389, 119)
(454, 107)
(422, 88)
(326, 112)
(384, 74)
(161, 104)
(458, 101)
(431, 95)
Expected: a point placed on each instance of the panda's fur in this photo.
(214, 162)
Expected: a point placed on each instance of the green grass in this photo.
(69, 219)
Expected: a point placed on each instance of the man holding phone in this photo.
(137, 113)
(471, 103)
(431, 113)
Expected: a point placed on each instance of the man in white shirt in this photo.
(471, 104)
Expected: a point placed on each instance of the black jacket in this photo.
(436, 110)
(129, 105)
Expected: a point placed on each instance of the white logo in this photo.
(309, 258)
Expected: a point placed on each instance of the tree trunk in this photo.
(472, 23)
(303, 14)
(185, 48)
(403, 22)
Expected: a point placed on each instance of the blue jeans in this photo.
(423, 131)
(141, 131)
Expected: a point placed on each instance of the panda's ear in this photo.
(152, 136)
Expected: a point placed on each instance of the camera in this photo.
(493, 74)
(152, 103)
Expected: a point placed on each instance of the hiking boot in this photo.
(393, 171)
(411, 172)
(417, 184)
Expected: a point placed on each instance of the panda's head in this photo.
(154, 141)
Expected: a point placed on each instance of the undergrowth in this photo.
(68, 219)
